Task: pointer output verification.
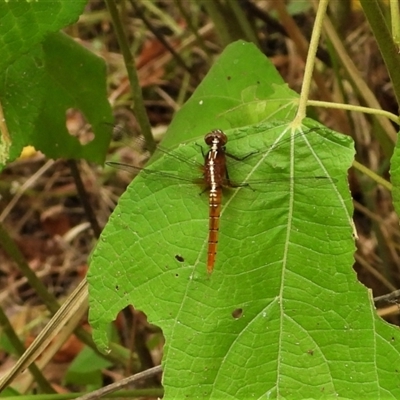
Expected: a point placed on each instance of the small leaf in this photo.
(24, 24)
(47, 78)
(86, 369)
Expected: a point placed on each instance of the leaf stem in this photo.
(371, 174)
(352, 107)
(368, 97)
(394, 13)
(312, 51)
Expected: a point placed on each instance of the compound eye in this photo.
(216, 136)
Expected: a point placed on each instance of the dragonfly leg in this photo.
(237, 158)
(202, 150)
(230, 184)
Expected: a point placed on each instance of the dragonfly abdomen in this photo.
(215, 177)
(213, 228)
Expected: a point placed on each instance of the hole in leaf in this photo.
(78, 126)
(237, 313)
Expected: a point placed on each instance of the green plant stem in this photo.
(8, 331)
(164, 18)
(389, 52)
(243, 22)
(351, 107)
(138, 103)
(387, 139)
(394, 12)
(220, 23)
(312, 51)
(371, 174)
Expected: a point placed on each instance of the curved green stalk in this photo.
(312, 51)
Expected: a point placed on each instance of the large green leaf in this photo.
(283, 314)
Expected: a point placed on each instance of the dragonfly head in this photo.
(216, 137)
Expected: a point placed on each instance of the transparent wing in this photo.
(191, 173)
(152, 173)
(232, 158)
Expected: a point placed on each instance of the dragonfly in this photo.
(214, 178)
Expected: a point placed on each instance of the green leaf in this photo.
(283, 314)
(38, 88)
(24, 24)
(75, 78)
(86, 369)
(9, 392)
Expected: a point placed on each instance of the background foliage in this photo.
(283, 303)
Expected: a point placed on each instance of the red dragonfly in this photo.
(215, 177)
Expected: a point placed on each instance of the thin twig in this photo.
(160, 37)
(123, 382)
(392, 297)
(84, 197)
